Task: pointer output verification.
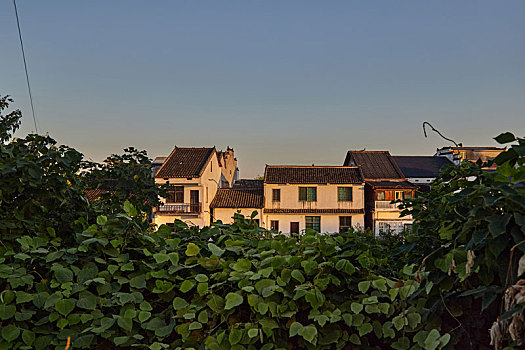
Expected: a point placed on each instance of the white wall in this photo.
(329, 222)
(226, 214)
(326, 197)
(420, 180)
(206, 184)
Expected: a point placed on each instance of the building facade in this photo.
(384, 182)
(324, 198)
(194, 175)
(239, 199)
(472, 154)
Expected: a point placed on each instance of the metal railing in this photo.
(186, 208)
(386, 205)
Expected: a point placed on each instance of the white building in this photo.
(244, 198)
(194, 176)
(324, 198)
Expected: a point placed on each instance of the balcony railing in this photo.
(386, 205)
(186, 208)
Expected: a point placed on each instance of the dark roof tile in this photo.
(248, 183)
(375, 165)
(312, 174)
(314, 211)
(392, 184)
(185, 162)
(421, 166)
(238, 198)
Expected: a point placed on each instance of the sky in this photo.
(282, 82)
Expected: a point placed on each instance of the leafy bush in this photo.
(470, 231)
(222, 287)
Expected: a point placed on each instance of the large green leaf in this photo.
(233, 300)
(65, 306)
(10, 332)
(192, 249)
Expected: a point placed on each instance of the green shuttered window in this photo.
(344, 194)
(308, 194)
(313, 222)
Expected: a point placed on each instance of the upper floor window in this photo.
(308, 194)
(400, 195)
(274, 225)
(344, 194)
(276, 195)
(176, 195)
(380, 195)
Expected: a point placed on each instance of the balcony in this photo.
(186, 208)
(386, 206)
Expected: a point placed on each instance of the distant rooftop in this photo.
(238, 198)
(375, 165)
(421, 166)
(248, 183)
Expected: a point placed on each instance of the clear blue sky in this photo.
(283, 82)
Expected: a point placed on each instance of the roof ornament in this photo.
(440, 134)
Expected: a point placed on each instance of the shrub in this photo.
(220, 287)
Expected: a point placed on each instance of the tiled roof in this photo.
(312, 174)
(185, 162)
(248, 183)
(421, 166)
(92, 195)
(392, 184)
(374, 164)
(238, 198)
(314, 211)
(159, 160)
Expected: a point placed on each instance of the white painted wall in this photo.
(420, 180)
(206, 184)
(226, 214)
(326, 197)
(329, 222)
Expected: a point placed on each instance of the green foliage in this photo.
(223, 287)
(39, 189)
(471, 230)
(121, 178)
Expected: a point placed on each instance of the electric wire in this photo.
(25, 66)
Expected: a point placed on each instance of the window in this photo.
(308, 194)
(400, 195)
(313, 222)
(391, 226)
(345, 223)
(380, 195)
(176, 195)
(276, 195)
(344, 194)
(384, 226)
(274, 225)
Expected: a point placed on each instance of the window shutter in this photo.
(302, 193)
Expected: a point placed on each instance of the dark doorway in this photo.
(294, 227)
(194, 201)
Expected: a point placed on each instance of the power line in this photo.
(25, 66)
